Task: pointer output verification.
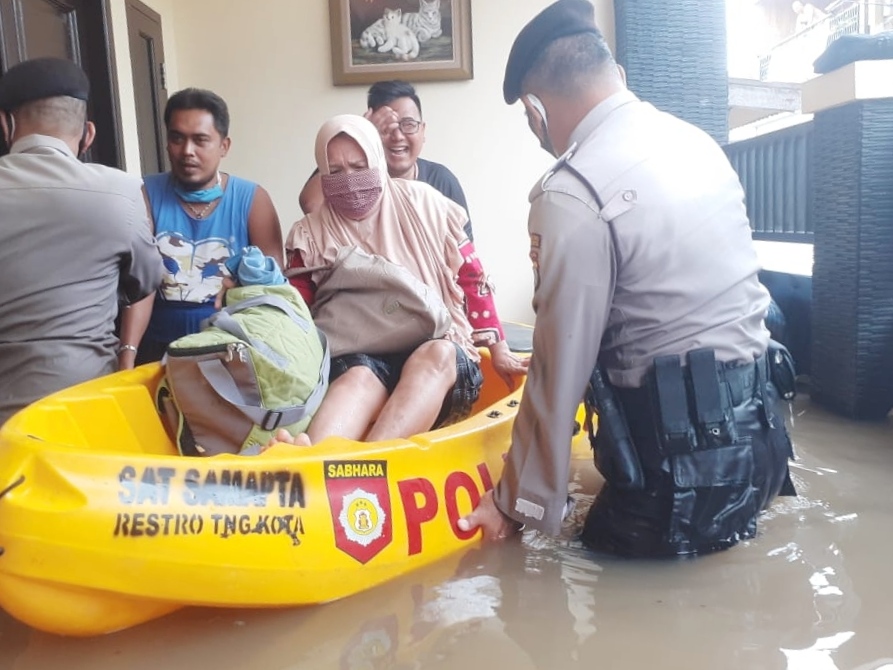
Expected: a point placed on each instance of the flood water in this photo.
(812, 592)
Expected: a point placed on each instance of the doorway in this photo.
(149, 84)
(78, 30)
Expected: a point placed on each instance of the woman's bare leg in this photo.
(351, 403)
(428, 374)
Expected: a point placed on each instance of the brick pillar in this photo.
(674, 53)
(852, 360)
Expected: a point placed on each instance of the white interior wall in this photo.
(270, 60)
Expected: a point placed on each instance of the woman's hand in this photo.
(508, 365)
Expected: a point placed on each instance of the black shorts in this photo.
(388, 368)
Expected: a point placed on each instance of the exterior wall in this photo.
(271, 61)
(125, 76)
(675, 57)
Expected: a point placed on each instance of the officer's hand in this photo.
(384, 118)
(508, 365)
(496, 525)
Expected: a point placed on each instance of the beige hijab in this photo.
(412, 225)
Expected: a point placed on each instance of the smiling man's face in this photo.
(401, 149)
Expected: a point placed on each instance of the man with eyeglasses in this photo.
(395, 109)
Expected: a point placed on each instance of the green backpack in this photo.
(259, 365)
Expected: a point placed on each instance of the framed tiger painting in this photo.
(415, 40)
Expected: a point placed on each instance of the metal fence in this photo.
(850, 20)
(775, 170)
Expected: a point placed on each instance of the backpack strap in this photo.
(224, 320)
(270, 301)
(219, 378)
(264, 301)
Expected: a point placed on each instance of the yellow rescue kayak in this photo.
(104, 526)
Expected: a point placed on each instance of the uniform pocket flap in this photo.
(714, 467)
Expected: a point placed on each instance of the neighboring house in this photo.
(791, 59)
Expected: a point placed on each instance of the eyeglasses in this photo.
(408, 125)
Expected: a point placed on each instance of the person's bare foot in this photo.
(302, 440)
(283, 436)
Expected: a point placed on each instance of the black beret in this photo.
(42, 78)
(560, 19)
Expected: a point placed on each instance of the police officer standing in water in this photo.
(647, 303)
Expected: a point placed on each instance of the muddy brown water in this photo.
(813, 591)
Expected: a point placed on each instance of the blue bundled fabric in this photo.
(252, 268)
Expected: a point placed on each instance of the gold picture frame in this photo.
(360, 42)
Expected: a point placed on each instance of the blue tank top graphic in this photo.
(194, 250)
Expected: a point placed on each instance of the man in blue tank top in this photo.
(201, 217)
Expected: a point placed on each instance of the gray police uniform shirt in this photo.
(71, 236)
(681, 276)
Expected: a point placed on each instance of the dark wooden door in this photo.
(74, 29)
(149, 85)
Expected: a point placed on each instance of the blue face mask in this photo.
(204, 195)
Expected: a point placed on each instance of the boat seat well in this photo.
(103, 415)
(115, 415)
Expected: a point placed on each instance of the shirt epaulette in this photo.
(564, 165)
(557, 166)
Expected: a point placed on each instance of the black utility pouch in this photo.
(615, 454)
(669, 394)
(713, 407)
(782, 372)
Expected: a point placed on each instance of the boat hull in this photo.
(103, 526)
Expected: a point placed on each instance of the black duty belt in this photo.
(690, 407)
(740, 377)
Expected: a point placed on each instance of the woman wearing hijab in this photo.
(410, 224)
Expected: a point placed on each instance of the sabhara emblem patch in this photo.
(362, 517)
(360, 504)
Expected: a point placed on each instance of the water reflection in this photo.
(818, 656)
(813, 590)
